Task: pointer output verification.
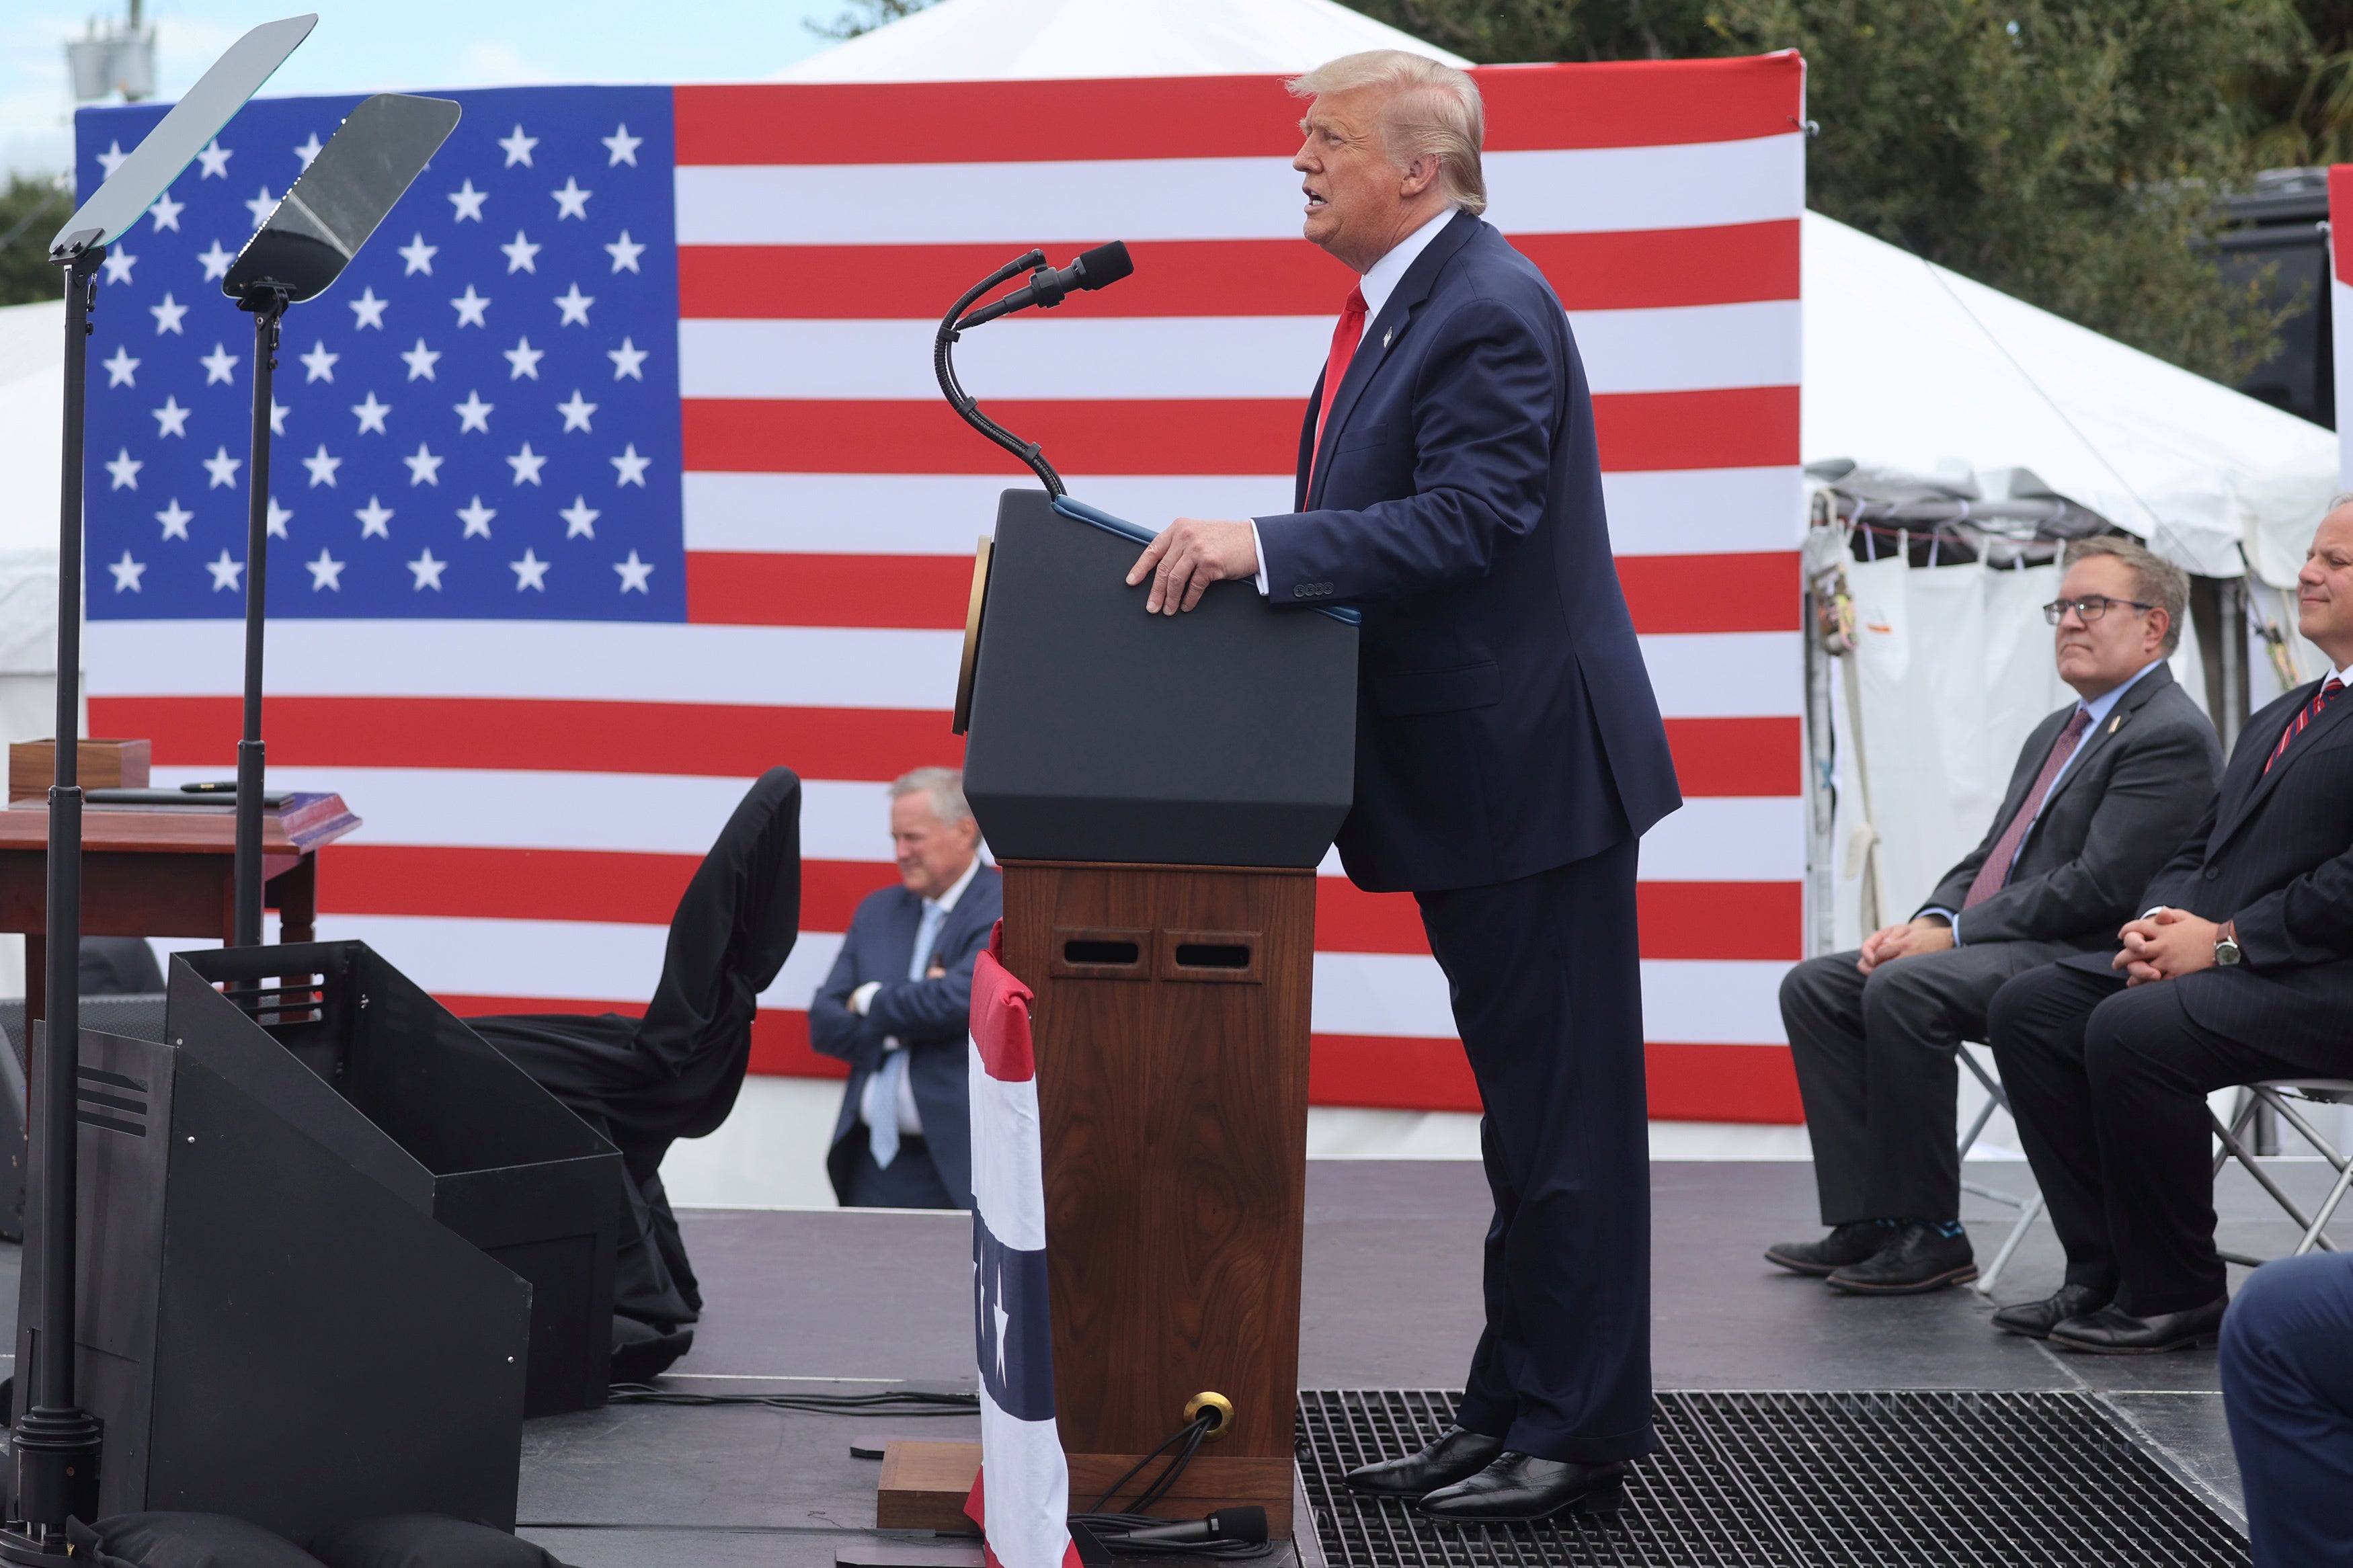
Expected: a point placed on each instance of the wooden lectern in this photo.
(1159, 791)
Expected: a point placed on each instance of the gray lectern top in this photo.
(321, 221)
(1225, 736)
(195, 120)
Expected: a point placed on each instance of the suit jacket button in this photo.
(2212, 872)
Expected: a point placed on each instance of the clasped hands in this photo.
(1907, 939)
(1188, 555)
(2166, 945)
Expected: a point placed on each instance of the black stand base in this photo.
(56, 1454)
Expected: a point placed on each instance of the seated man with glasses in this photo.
(2104, 790)
(2239, 969)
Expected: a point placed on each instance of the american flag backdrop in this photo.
(613, 473)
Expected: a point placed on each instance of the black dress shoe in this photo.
(1450, 1458)
(1850, 1243)
(2112, 1331)
(1917, 1260)
(1519, 1488)
(2035, 1319)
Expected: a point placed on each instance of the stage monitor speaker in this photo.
(1222, 737)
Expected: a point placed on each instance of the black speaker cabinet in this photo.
(1225, 736)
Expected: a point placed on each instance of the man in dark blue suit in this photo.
(896, 1008)
(1509, 751)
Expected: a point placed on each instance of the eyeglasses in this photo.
(2088, 608)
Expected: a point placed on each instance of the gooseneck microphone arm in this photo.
(943, 366)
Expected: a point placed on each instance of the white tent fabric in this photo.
(1910, 365)
(32, 359)
(971, 41)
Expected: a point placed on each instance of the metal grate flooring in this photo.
(1906, 1480)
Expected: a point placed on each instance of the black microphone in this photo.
(1096, 268)
(1247, 1525)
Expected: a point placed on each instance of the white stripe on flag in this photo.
(1728, 839)
(1704, 511)
(1716, 1002)
(1009, 1183)
(1026, 1489)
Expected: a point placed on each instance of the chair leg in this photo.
(2027, 1216)
(2238, 1151)
(2313, 1236)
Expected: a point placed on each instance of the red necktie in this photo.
(1345, 334)
(1995, 872)
(2304, 715)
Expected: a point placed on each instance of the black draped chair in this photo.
(675, 1073)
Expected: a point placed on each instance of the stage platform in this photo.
(861, 1300)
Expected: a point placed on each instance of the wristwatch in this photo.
(2226, 945)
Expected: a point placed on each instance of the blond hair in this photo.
(2157, 580)
(1430, 109)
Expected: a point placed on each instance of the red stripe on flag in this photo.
(605, 886)
(1720, 921)
(1687, 1082)
(752, 590)
(1741, 427)
(717, 740)
(1669, 593)
(1617, 104)
(1732, 264)
(1722, 1083)
(1001, 1021)
(1737, 756)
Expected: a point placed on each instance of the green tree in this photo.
(2304, 113)
(864, 16)
(2068, 153)
(30, 212)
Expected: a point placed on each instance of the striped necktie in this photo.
(2304, 715)
(1994, 875)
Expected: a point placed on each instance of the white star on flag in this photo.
(166, 213)
(125, 469)
(468, 203)
(278, 518)
(220, 366)
(577, 412)
(222, 468)
(224, 572)
(625, 252)
(571, 201)
(367, 311)
(626, 361)
(632, 467)
(326, 572)
(217, 261)
(323, 467)
(634, 573)
(531, 572)
(473, 413)
(574, 305)
(261, 206)
(278, 413)
(174, 518)
(419, 255)
(526, 464)
(428, 571)
(471, 307)
(477, 518)
(424, 468)
(320, 363)
(171, 419)
(215, 161)
(373, 517)
(525, 360)
(420, 361)
(308, 149)
(167, 315)
(520, 252)
(111, 159)
(122, 369)
(117, 265)
(622, 145)
(126, 572)
(371, 413)
(518, 147)
(579, 519)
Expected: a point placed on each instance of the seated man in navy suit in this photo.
(896, 1008)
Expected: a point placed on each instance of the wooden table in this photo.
(155, 873)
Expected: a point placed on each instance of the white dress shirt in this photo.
(1379, 281)
(893, 1080)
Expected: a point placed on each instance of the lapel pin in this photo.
(1387, 336)
(2113, 722)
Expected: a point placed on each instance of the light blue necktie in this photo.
(882, 1093)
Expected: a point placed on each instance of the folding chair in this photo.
(2274, 1095)
(2029, 1209)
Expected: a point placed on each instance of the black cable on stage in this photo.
(909, 1403)
(1111, 1528)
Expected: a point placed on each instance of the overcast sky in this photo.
(371, 45)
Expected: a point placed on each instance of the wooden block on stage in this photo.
(103, 765)
(923, 1486)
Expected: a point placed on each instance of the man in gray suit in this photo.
(2105, 791)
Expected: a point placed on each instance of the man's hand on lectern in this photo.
(1191, 553)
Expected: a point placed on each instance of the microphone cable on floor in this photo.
(909, 1402)
(1113, 1527)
